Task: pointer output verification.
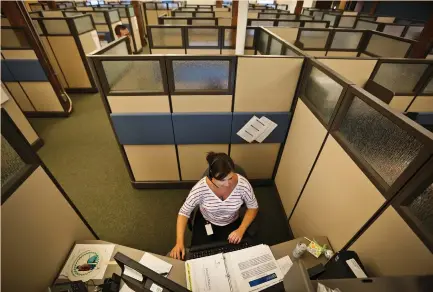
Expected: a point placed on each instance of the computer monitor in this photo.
(149, 277)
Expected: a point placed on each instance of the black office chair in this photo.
(252, 229)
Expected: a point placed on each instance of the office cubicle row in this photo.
(166, 20)
(208, 40)
(66, 41)
(287, 15)
(26, 78)
(362, 173)
(202, 8)
(354, 43)
(195, 104)
(288, 23)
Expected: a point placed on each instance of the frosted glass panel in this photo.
(204, 14)
(346, 40)
(262, 23)
(315, 24)
(287, 16)
(422, 208)
(318, 15)
(175, 21)
(204, 22)
(56, 26)
(400, 78)
(395, 30)
(387, 148)
(249, 38)
(289, 52)
(346, 21)
(322, 92)
(268, 16)
(314, 39)
(413, 32)
(289, 23)
(167, 37)
(122, 12)
(140, 76)
(84, 24)
(201, 75)
(73, 13)
(183, 14)
(275, 47)
(229, 40)
(98, 17)
(387, 47)
(263, 42)
(114, 16)
(429, 87)
(207, 37)
(11, 162)
(330, 18)
(365, 25)
(305, 18)
(131, 11)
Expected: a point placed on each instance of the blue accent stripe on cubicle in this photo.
(282, 119)
(25, 70)
(142, 129)
(6, 73)
(202, 128)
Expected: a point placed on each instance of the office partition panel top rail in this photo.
(287, 23)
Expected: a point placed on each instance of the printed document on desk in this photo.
(207, 274)
(252, 269)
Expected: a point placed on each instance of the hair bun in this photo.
(210, 157)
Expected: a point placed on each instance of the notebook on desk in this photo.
(249, 269)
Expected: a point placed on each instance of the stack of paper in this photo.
(151, 262)
(257, 129)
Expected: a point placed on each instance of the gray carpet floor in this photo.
(82, 153)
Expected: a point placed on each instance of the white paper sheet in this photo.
(133, 273)
(253, 269)
(269, 127)
(155, 264)
(285, 263)
(207, 274)
(252, 129)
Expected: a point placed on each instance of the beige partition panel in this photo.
(39, 228)
(303, 144)
(341, 54)
(266, 84)
(356, 70)
(201, 103)
(385, 19)
(152, 17)
(102, 27)
(232, 52)
(53, 61)
(389, 247)
(70, 61)
(223, 14)
(253, 15)
(88, 41)
(224, 21)
(192, 159)
(400, 103)
(20, 96)
(152, 162)
(19, 119)
(365, 56)
(316, 53)
(422, 104)
(288, 34)
(42, 96)
(19, 54)
(168, 51)
(258, 160)
(139, 104)
(337, 200)
(249, 52)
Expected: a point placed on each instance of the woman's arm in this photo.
(178, 251)
(236, 236)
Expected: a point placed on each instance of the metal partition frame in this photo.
(194, 14)
(285, 46)
(161, 19)
(280, 22)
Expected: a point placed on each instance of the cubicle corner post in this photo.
(27, 154)
(417, 132)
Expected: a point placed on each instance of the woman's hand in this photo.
(236, 236)
(178, 251)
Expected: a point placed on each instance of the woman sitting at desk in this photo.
(219, 195)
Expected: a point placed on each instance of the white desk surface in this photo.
(177, 273)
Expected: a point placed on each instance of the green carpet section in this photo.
(82, 153)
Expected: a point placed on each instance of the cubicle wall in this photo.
(40, 224)
(128, 18)
(408, 81)
(410, 31)
(25, 77)
(105, 22)
(287, 23)
(207, 40)
(352, 43)
(152, 10)
(66, 41)
(334, 179)
(198, 103)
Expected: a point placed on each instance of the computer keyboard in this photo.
(216, 248)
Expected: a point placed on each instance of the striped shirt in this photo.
(215, 210)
